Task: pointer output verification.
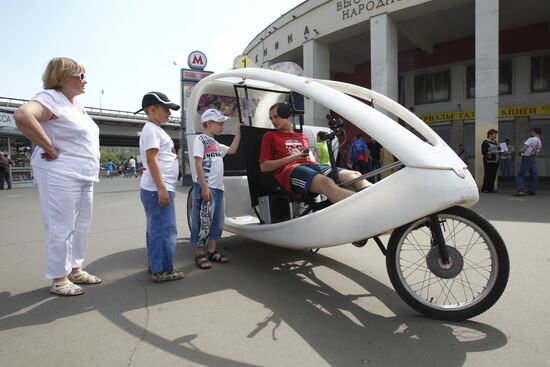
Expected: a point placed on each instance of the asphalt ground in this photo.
(268, 307)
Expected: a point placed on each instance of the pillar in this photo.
(487, 57)
(384, 52)
(316, 65)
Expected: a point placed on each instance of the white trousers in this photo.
(67, 214)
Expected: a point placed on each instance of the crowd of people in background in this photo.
(501, 155)
(125, 168)
(363, 155)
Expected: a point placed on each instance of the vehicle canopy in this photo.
(433, 177)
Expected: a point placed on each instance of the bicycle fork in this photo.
(437, 239)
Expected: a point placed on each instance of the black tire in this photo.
(189, 206)
(478, 284)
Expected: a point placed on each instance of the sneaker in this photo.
(531, 193)
(519, 193)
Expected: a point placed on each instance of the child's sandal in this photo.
(173, 275)
(202, 262)
(157, 277)
(217, 257)
(165, 276)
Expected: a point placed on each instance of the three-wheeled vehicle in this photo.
(442, 258)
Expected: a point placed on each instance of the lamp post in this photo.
(101, 94)
(184, 161)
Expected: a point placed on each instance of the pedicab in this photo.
(443, 259)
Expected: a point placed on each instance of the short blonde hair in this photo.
(59, 70)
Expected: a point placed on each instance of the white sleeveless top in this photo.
(73, 133)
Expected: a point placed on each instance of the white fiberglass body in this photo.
(433, 177)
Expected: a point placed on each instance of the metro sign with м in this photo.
(196, 60)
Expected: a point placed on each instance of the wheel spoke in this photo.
(477, 260)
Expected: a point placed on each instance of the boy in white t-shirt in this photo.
(208, 191)
(158, 185)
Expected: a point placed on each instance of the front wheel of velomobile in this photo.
(469, 285)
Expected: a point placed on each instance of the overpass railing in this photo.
(14, 103)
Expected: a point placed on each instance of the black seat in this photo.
(259, 183)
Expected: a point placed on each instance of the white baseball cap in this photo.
(213, 115)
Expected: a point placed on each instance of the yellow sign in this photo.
(502, 112)
(243, 61)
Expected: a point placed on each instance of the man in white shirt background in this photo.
(531, 147)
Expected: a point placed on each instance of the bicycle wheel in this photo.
(469, 285)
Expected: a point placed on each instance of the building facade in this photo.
(463, 66)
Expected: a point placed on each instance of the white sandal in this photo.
(66, 289)
(83, 277)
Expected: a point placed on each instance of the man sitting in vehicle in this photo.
(285, 153)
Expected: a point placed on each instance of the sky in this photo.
(128, 47)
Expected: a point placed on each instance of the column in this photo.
(458, 93)
(384, 52)
(316, 65)
(486, 51)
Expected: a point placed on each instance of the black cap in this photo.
(154, 98)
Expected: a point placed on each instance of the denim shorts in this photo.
(301, 176)
(162, 232)
(217, 216)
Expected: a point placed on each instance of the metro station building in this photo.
(463, 66)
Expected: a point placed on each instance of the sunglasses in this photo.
(81, 76)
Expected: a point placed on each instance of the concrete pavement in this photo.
(268, 307)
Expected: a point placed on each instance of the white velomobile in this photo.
(443, 259)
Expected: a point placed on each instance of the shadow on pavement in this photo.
(288, 284)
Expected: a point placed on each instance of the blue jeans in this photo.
(528, 164)
(161, 232)
(217, 215)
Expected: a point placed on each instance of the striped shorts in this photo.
(301, 176)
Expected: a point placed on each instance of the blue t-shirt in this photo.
(356, 148)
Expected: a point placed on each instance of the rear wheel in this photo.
(468, 285)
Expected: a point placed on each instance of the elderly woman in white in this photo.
(65, 165)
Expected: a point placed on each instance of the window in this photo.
(471, 81)
(504, 79)
(431, 88)
(540, 74)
